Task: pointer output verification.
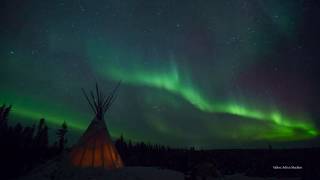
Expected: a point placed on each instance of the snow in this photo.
(243, 177)
(60, 170)
(126, 173)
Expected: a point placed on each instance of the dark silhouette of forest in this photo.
(23, 148)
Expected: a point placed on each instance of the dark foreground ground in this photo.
(301, 163)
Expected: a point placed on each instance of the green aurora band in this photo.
(171, 83)
(287, 128)
(30, 108)
(283, 127)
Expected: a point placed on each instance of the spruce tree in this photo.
(61, 134)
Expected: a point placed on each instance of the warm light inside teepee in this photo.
(95, 147)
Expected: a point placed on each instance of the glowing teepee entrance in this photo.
(95, 147)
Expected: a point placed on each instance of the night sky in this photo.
(210, 74)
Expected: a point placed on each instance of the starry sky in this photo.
(207, 73)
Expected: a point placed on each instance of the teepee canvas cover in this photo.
(95, 147)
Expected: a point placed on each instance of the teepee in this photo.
(95, 147)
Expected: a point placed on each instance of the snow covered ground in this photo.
(127, 173)
(61, 171)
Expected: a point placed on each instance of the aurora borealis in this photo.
(211, 74)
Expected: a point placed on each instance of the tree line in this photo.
(24, 147)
